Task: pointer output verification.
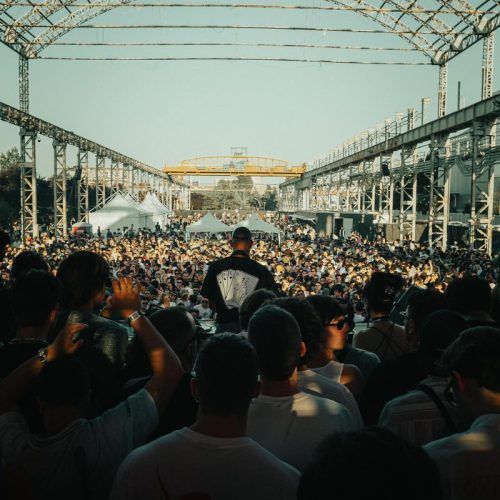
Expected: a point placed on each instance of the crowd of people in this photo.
(335, 367)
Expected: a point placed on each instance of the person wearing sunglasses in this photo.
(469, 462)
(334, 338)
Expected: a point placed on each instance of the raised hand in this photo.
(65, 343)
(126, 296)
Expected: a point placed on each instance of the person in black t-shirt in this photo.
(229, 281)
(33, 299)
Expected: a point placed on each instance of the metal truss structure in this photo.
(405, 180)
(106, 180)
(235, 165)
(437, 30)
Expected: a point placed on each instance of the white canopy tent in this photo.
(159, 212)
(159, 204)
(257, 225)
(118, 213)
(207, 224)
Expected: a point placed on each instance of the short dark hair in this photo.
(175, 326)
(82, 274)
(469, 294)
(326, 307)
(275, 335)
(63, 382)
(227, 372)
(242, 233)
(33, 296)
(365, 454)
(381, 291)
(26, 261)
(252, 303)
(475, 354)
(423, 303)
(439, 329)
(309, 323)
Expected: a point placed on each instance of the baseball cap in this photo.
(242, 233)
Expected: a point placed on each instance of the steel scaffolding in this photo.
(83, 181)
(60, 193)
(420, 162)
(105, 178)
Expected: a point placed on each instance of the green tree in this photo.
(270, 199)
(9, 187)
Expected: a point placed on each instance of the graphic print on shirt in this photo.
(235, 286)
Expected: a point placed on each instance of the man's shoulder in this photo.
(408, 403)
(320, 405)
(270, 461)
(161, 450)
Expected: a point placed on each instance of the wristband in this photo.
(135, 315)
(42, 355)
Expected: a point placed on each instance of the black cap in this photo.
(242, 233)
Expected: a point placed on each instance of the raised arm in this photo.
(15, 384)
(165, 365)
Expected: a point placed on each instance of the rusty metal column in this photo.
(60, 183)
(83, 186)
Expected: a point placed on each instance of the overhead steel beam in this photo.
(452, 122)
(19, 118)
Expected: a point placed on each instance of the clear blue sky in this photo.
(164, 112)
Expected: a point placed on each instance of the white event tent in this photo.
(120, 211)
(154, 206)
(257, 225)
(207, 224)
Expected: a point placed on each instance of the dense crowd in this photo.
(171, 270)
(354, 368)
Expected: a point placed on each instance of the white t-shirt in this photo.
(332, 370)
(204, 312)
(84, 456)
(290, 427)
(469, 462)
(187, 464)
(316, 384)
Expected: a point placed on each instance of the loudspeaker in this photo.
(385, 169)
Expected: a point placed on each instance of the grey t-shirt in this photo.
(79, 462)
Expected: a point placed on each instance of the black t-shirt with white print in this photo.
(229, 281)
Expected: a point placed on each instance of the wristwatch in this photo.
(42, 355)
(135, 315)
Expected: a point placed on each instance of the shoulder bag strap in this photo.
(450, 424)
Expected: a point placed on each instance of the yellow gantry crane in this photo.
(235, 165)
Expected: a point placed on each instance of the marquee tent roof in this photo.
(119, 212)
(159, 212)
(151, 203)
(208, 224)
(255, 223)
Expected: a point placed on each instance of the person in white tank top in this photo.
(333, 338)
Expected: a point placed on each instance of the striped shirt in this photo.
(416, 418)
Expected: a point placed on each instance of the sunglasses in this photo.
(448, 393)
(339, 324)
